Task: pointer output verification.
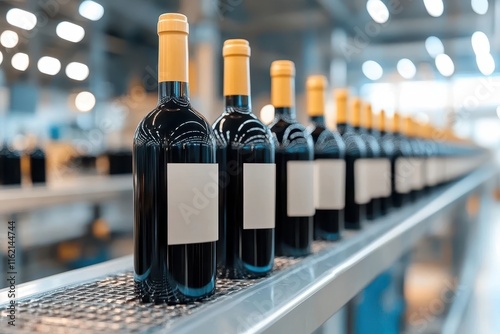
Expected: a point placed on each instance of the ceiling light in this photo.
(434, 7)
(485, 63)
(480, 6)
(267, 114)
(434, 46)
(77, 71)
(445, 65)
(85, 101)
(21, 18)
(20, 61)
(9, 39)
(91, 10)
(49, 65)
(406, 68)
(372, 70)
(377, 10)
(70, 31)
(480, 43)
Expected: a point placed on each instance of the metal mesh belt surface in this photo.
(108, 304)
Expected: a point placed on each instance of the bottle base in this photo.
(162, 292)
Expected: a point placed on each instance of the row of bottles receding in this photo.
(223, 200)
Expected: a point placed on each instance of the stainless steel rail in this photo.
(298, 297)
(79, 189)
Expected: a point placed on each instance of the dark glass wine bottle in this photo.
(373, 153)
(356, 194)
(329, 165)
(175, 184)
(294, 167)
(247, 171)
(38, 166)
(10, 169)
(401, 169)
(384, 189)
(417, 158)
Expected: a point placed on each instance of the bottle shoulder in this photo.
(326, 141)
(174, 122)
(241, 129)
(291, 134)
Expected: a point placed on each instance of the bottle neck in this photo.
(286, 112)
(344, 127)
(173, 89)
(318, 120)
(238, 101)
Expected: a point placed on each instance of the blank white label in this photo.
(362, 189)
(192, 203)
(380, 177)
(259, 196)
(329, 184)
(300, 188)
(432, 166)
(418, 179)
(404, 174)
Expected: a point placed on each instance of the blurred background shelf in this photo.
(92, 189)
(299, 296)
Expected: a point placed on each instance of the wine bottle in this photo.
(401, 169)
(294, 166)
(245, 155)
(329, 165)
(10, 169)
(38, 166)
(373, 153)
(175, 184)
(382, 168)
(432, 163)
(417, 158)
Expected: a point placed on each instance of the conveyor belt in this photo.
(101, 298)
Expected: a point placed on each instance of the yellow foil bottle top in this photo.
(367, 116)
(382, 121)
(341, 95)
(173, 30)
(283, 84)
(407, 128)
(236, 54)
(355, 114)
(315, 95)
(396, 123)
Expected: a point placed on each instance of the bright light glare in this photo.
(434, 46)
(49, 65)
(9, 39)
(434, 7)
(91, 10)
(77, 71)
(85, 101)
(70, 31)
(21, 19)
(20, 61)
(1, 57)
(480, 43)
(406, 68)
(485, 63)
(267, 114)
(372, 70)
(445, 65)
(377, 10)
(480, 6)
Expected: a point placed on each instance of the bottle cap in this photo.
(282, 68)
(367, 116)
(315, 93)
(356, 111)
(173, 22)
(236, 47)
